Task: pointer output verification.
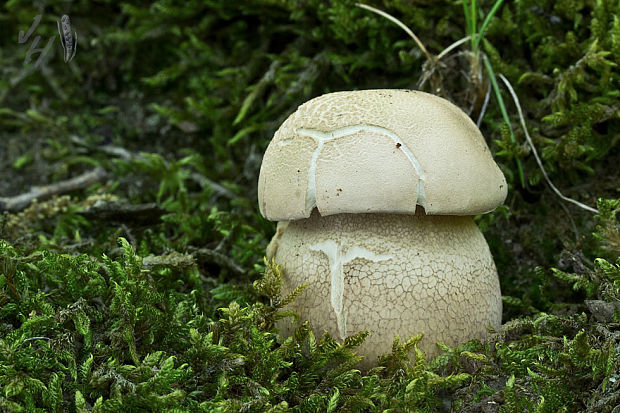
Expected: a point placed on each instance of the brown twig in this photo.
(208, 255)
(40, 193)
(119, 212)
(201, 180)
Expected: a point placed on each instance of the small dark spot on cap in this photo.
(299, 170)
(398, 145)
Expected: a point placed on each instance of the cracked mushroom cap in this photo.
(378, 151)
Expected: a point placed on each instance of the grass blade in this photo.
(535, 152)
(502, 108)
(473, 15)
(402, 26)
(467, 19)
(486, 22)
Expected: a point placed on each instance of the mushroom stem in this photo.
(391, 274)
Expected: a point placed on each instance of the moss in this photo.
(175, 311)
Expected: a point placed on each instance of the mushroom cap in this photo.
(378, 151)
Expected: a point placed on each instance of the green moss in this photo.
(175, 311)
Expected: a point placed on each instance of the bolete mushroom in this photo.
(374, 191)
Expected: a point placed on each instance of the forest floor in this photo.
(131, 245)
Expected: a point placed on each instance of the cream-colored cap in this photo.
(379, 151)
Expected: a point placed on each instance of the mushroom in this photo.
(374, 191)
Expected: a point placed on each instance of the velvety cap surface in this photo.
(379, 151)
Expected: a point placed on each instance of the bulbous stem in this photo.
(390, 274)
